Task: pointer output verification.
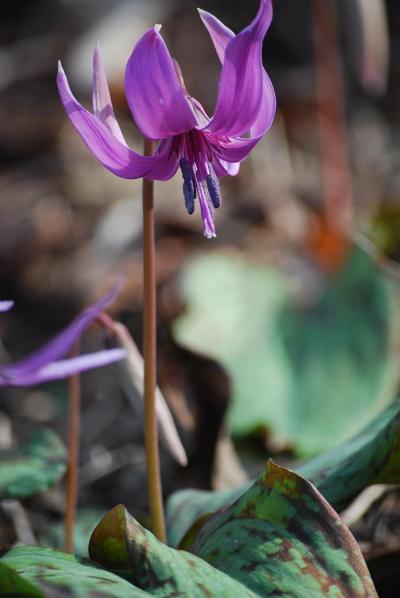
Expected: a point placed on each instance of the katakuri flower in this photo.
(46, 363)
(204, 148)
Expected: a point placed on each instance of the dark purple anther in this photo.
(189, 197)
(189, 189)
(213, 190)
(187, 170)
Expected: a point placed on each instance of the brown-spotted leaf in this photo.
(340, 474)
(282, 538)
(121, 544)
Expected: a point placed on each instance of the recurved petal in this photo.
(102, 105)
(241, 84)
(237, 149)
(60, 345)
(114, 155)
(220, 34)
(154, 92)
(59, 369)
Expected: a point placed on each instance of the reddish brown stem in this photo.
(336, 176)
(73, 455)
(150, 354)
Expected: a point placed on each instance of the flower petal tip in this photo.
(96, 53)
(157, 28)
(6, 305)
(121, 280)
(60, 70)
(204, 14)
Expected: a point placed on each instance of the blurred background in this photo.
(280, 337)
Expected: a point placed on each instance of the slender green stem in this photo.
(150, 354)
(73, 456)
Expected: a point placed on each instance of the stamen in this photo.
(199, 179)
(189, 198)
(194, 185)
(189, 188)
(214, 190)
(186, 169)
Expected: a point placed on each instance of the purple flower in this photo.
(45, 364)
(203, 147)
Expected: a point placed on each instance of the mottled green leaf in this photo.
(281, 538)
(121, 544)
(13, 585)
(369, 458)
(57, 573)
(35, 467)
(339, 474)
(312, 370)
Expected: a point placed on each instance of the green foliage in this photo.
(280, 538)
(54, 574)
(371, 457)
(312, 371)
(339, 355)
(35, 467)
(232, 310)
(13, 585)
(120, 543)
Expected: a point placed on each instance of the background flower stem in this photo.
(330, 103)
(73, 455)
(149, 354)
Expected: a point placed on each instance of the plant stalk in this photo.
(336, 174)
(150, 355)
(73, 455)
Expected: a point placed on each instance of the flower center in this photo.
(199, 178)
